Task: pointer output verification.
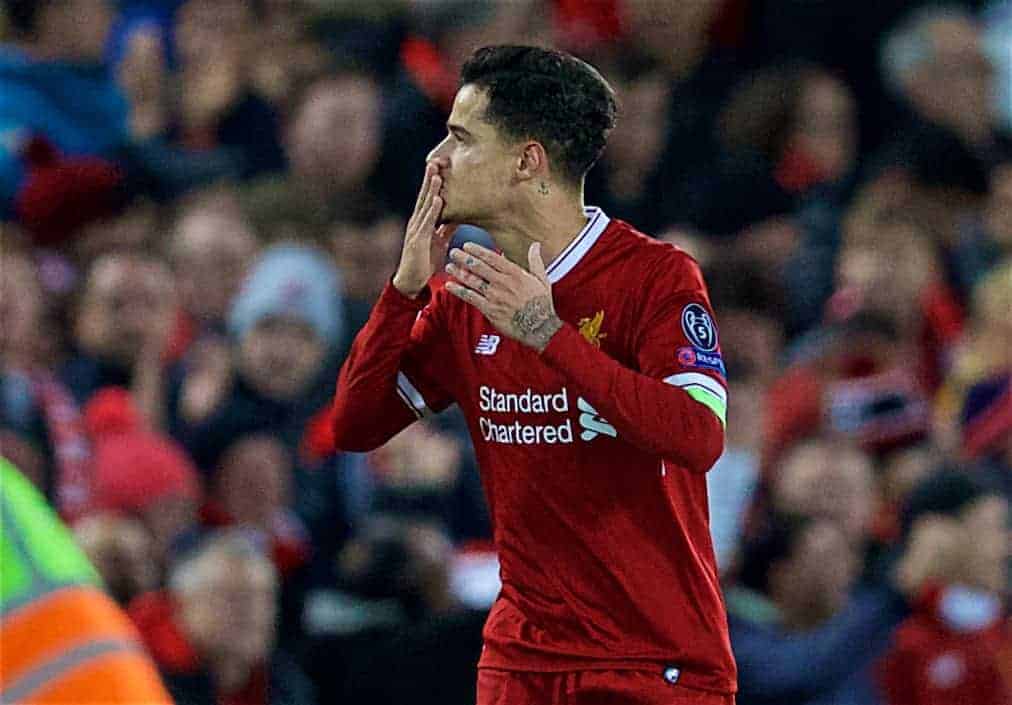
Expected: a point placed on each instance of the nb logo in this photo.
(593, 425)
(487, 345)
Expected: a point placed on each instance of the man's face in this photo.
(211, 254)
(253, 481)
(640, 144)
(826, 126)
(987, 551)
(234, 612)
(336, 134)
(203, 26)
(476, 185)
(128, 302)
(955, 89)
(828, 481)
(167, 520)
(84, 26)
(821, 570)
(21, 310)
(280, 357)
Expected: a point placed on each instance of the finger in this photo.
(536, 263)
(435, 183)
(492, 259)
(423, 192)
(476, 266)
(431, 214)
(471, 281)
(446, 232)
(468, 295)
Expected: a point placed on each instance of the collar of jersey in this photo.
(575, 251)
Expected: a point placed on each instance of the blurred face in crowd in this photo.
(254, 480)
(131, 229)
(828, 480)
(202, 26)
(671, 30)
(21, 311)
(420, 458)
(335, 137)
(210, 255)
(888, 274)
(986, 524)
(640, 144)
(954, 88)
(365, 254)
(128, 302)
(813, 582)
(477, 183)
(826, 125)
(998, 210)
(167, 520)
(280, 357)
(496, 22)
(122, 552)
(77, 28)
(992, 301)
(904, 469)
(231, 612)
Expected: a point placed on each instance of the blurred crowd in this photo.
(201, 199)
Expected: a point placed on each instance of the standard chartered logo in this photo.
(530, 403)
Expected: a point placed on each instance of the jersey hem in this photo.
(568, 664)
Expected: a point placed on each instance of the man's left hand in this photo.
(516, 301)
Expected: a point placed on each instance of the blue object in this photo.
(77, 107)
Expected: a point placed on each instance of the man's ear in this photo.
(533, 162)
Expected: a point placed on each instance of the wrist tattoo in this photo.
(536, 322)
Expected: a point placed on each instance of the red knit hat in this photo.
(134, 468)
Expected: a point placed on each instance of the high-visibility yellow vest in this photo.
(62, 639)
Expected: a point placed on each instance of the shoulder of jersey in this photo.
(650, 253)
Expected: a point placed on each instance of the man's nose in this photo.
(437, 151)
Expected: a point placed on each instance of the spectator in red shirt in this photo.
(950, 655)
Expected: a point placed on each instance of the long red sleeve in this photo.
(649, 412)
(369, 407)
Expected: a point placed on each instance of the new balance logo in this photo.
(593, 425)
(487, 345)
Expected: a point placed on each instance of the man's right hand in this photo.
(425, 243)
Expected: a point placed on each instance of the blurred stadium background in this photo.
(174, 174)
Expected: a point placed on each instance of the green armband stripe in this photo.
(708, 399)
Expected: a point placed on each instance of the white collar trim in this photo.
(597, 221)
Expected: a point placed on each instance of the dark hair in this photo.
(22, 14)
(549, 96)
(947, 492)
(775, 542)
(762, 109)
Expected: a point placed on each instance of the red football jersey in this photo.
(593, 453)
